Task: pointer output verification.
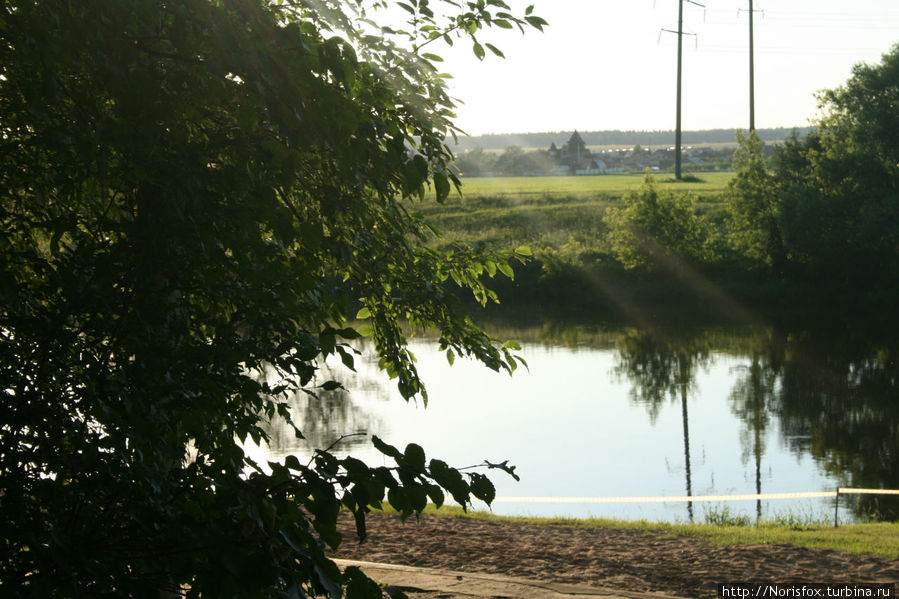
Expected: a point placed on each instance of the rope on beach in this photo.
(844, 490)
(697, 498)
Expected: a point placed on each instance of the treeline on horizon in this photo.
(501, 141)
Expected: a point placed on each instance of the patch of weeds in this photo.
(725, 517)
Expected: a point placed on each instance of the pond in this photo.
(636, 413)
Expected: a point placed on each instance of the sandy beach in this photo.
(630, 560)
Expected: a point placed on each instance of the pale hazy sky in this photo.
(604, 64)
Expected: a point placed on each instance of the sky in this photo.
(604, 64)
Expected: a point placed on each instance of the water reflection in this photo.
(336, 416)
(753, 395)
(662, 366)
(760, 409)
(833, 400)
(839, 403)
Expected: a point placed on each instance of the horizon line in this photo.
(559, 131)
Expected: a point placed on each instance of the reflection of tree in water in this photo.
(840, 403)
(327, 416)
(835, 401)
(663, 366)
(751, 397)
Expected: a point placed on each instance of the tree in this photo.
(829, 207)
(476, 162)
(655, 230)
(514, 161)
(753, 205)
(511, 161)
(850, 180)
(192, 192)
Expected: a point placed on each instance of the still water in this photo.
(634, 413)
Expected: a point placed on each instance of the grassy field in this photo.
(525, 188)
(558, 213)
(881, 538)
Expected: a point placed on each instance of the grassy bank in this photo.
(577, 267)
(881, 538)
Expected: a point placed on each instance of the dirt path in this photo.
(630, 560)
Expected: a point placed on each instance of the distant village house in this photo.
(573, 158)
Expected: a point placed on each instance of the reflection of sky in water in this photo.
(571, 428)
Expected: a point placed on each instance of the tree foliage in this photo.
(752, 203)
(193, 192)
(828, 208)
(655, 230)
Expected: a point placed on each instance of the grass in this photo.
(880, 538)
(525, 188)
(549, 212)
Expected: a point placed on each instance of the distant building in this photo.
(574, 158)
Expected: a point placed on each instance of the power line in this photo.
(680, 52)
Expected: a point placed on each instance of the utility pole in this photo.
(751, 67)
(751, 74)
(680, 54)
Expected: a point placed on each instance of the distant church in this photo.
(573, 156)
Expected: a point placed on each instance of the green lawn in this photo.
(589, 186)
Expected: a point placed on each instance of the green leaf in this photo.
(363, 314)
(482, 487)
(386, 448)
(327, 341)
(347, 358)
(442, 186)
(356, 469)
(360, 586)
(417, 496)
(414, 458)
(399, 501)
(329, 576)
(349, 333)
(451, 480)
(478, 50)
(536, 22)
(435, 493)
(292, 462)
(496, 51)
(523, 250)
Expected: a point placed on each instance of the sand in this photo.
(629, 560)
